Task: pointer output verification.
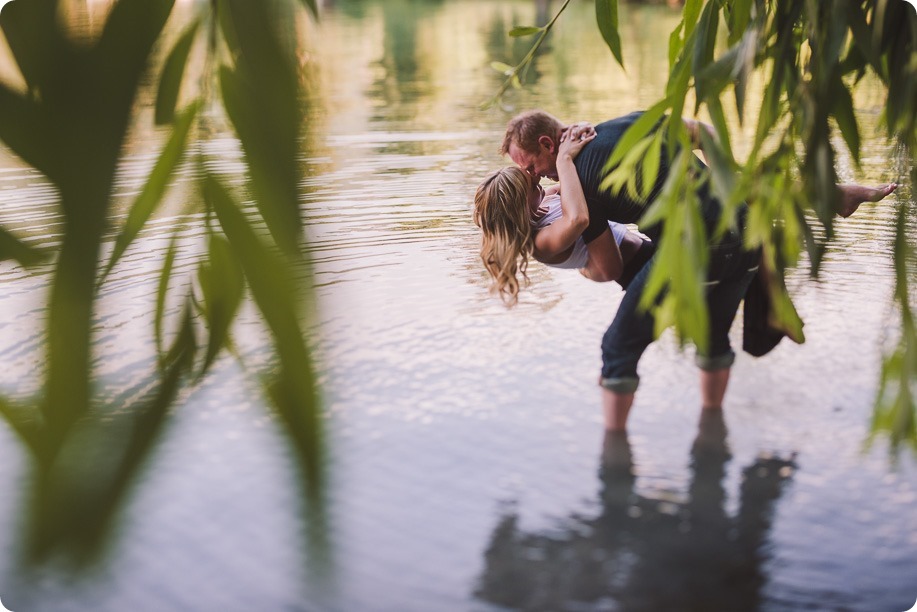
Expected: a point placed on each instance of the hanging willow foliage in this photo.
(70, 124)
(811, 55)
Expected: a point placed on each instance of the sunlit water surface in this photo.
(467, 465)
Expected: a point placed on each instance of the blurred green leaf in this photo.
(502, 68)
(651, 166)
(722, 177)
(846, 120)
(690, 13)
(162, 290)
(715, 76)
(625, 173)
(270, 279)
(739, 12)
(636, 132)
(80, 491)
(744, 66)
(13, 248)
(718, 117)
(25, 421)
(222, 284)
(819, 174)
(266, 112)
(156, 185)
(172, 72)
(705, 41)
(183, 349)
(895, 409)
(656, 212)
(32, 42)
(525, 31)
(133, 26)
(267, 272)
(783, 315)
(25, 129)
(313, 8)
(862, 38)
(606, 14)
(676, 44)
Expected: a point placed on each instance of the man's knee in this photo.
(721, 361)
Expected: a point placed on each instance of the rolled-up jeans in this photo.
(730, 271)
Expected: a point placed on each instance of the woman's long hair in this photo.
(501, 211)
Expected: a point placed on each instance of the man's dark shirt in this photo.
(605, 206)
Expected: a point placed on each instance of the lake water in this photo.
(468, 469)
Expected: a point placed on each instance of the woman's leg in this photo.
(853, 195)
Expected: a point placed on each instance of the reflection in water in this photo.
(643, 553)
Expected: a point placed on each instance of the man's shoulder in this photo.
(607, 135)
(619, 123)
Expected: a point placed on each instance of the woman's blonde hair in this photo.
(501, 211)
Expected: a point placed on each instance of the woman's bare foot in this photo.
(852, 195)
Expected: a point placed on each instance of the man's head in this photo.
(531, 141)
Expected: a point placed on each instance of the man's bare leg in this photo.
(616, 407)
(852, 195)
(713, 387)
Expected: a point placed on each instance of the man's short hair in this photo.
(525, 129)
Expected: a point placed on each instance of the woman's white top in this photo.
(580, 256)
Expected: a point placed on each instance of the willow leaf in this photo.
(705, 41)
(132, 28)
(25, 130)
(718, 117)
(651, 166)
(502, 68)
(676, 44)
(606, 14)
(524, 31)
(13, 248)
(293, 391)
(690, 14)
(635, 133)
(739, 16)
(261, 96)
(846, 120)
(172, 73)
(313, 8)
(27, 27)
(222, 284)
(155, 186)
(24, 421)
(162, 290)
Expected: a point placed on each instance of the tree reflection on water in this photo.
(642, 553)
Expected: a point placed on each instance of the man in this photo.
(531, 141)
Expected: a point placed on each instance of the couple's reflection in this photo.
(643, 553)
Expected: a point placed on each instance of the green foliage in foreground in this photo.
(71, 124)
(810, 55)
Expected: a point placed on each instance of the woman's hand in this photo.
(584, 126)
(574, 138)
